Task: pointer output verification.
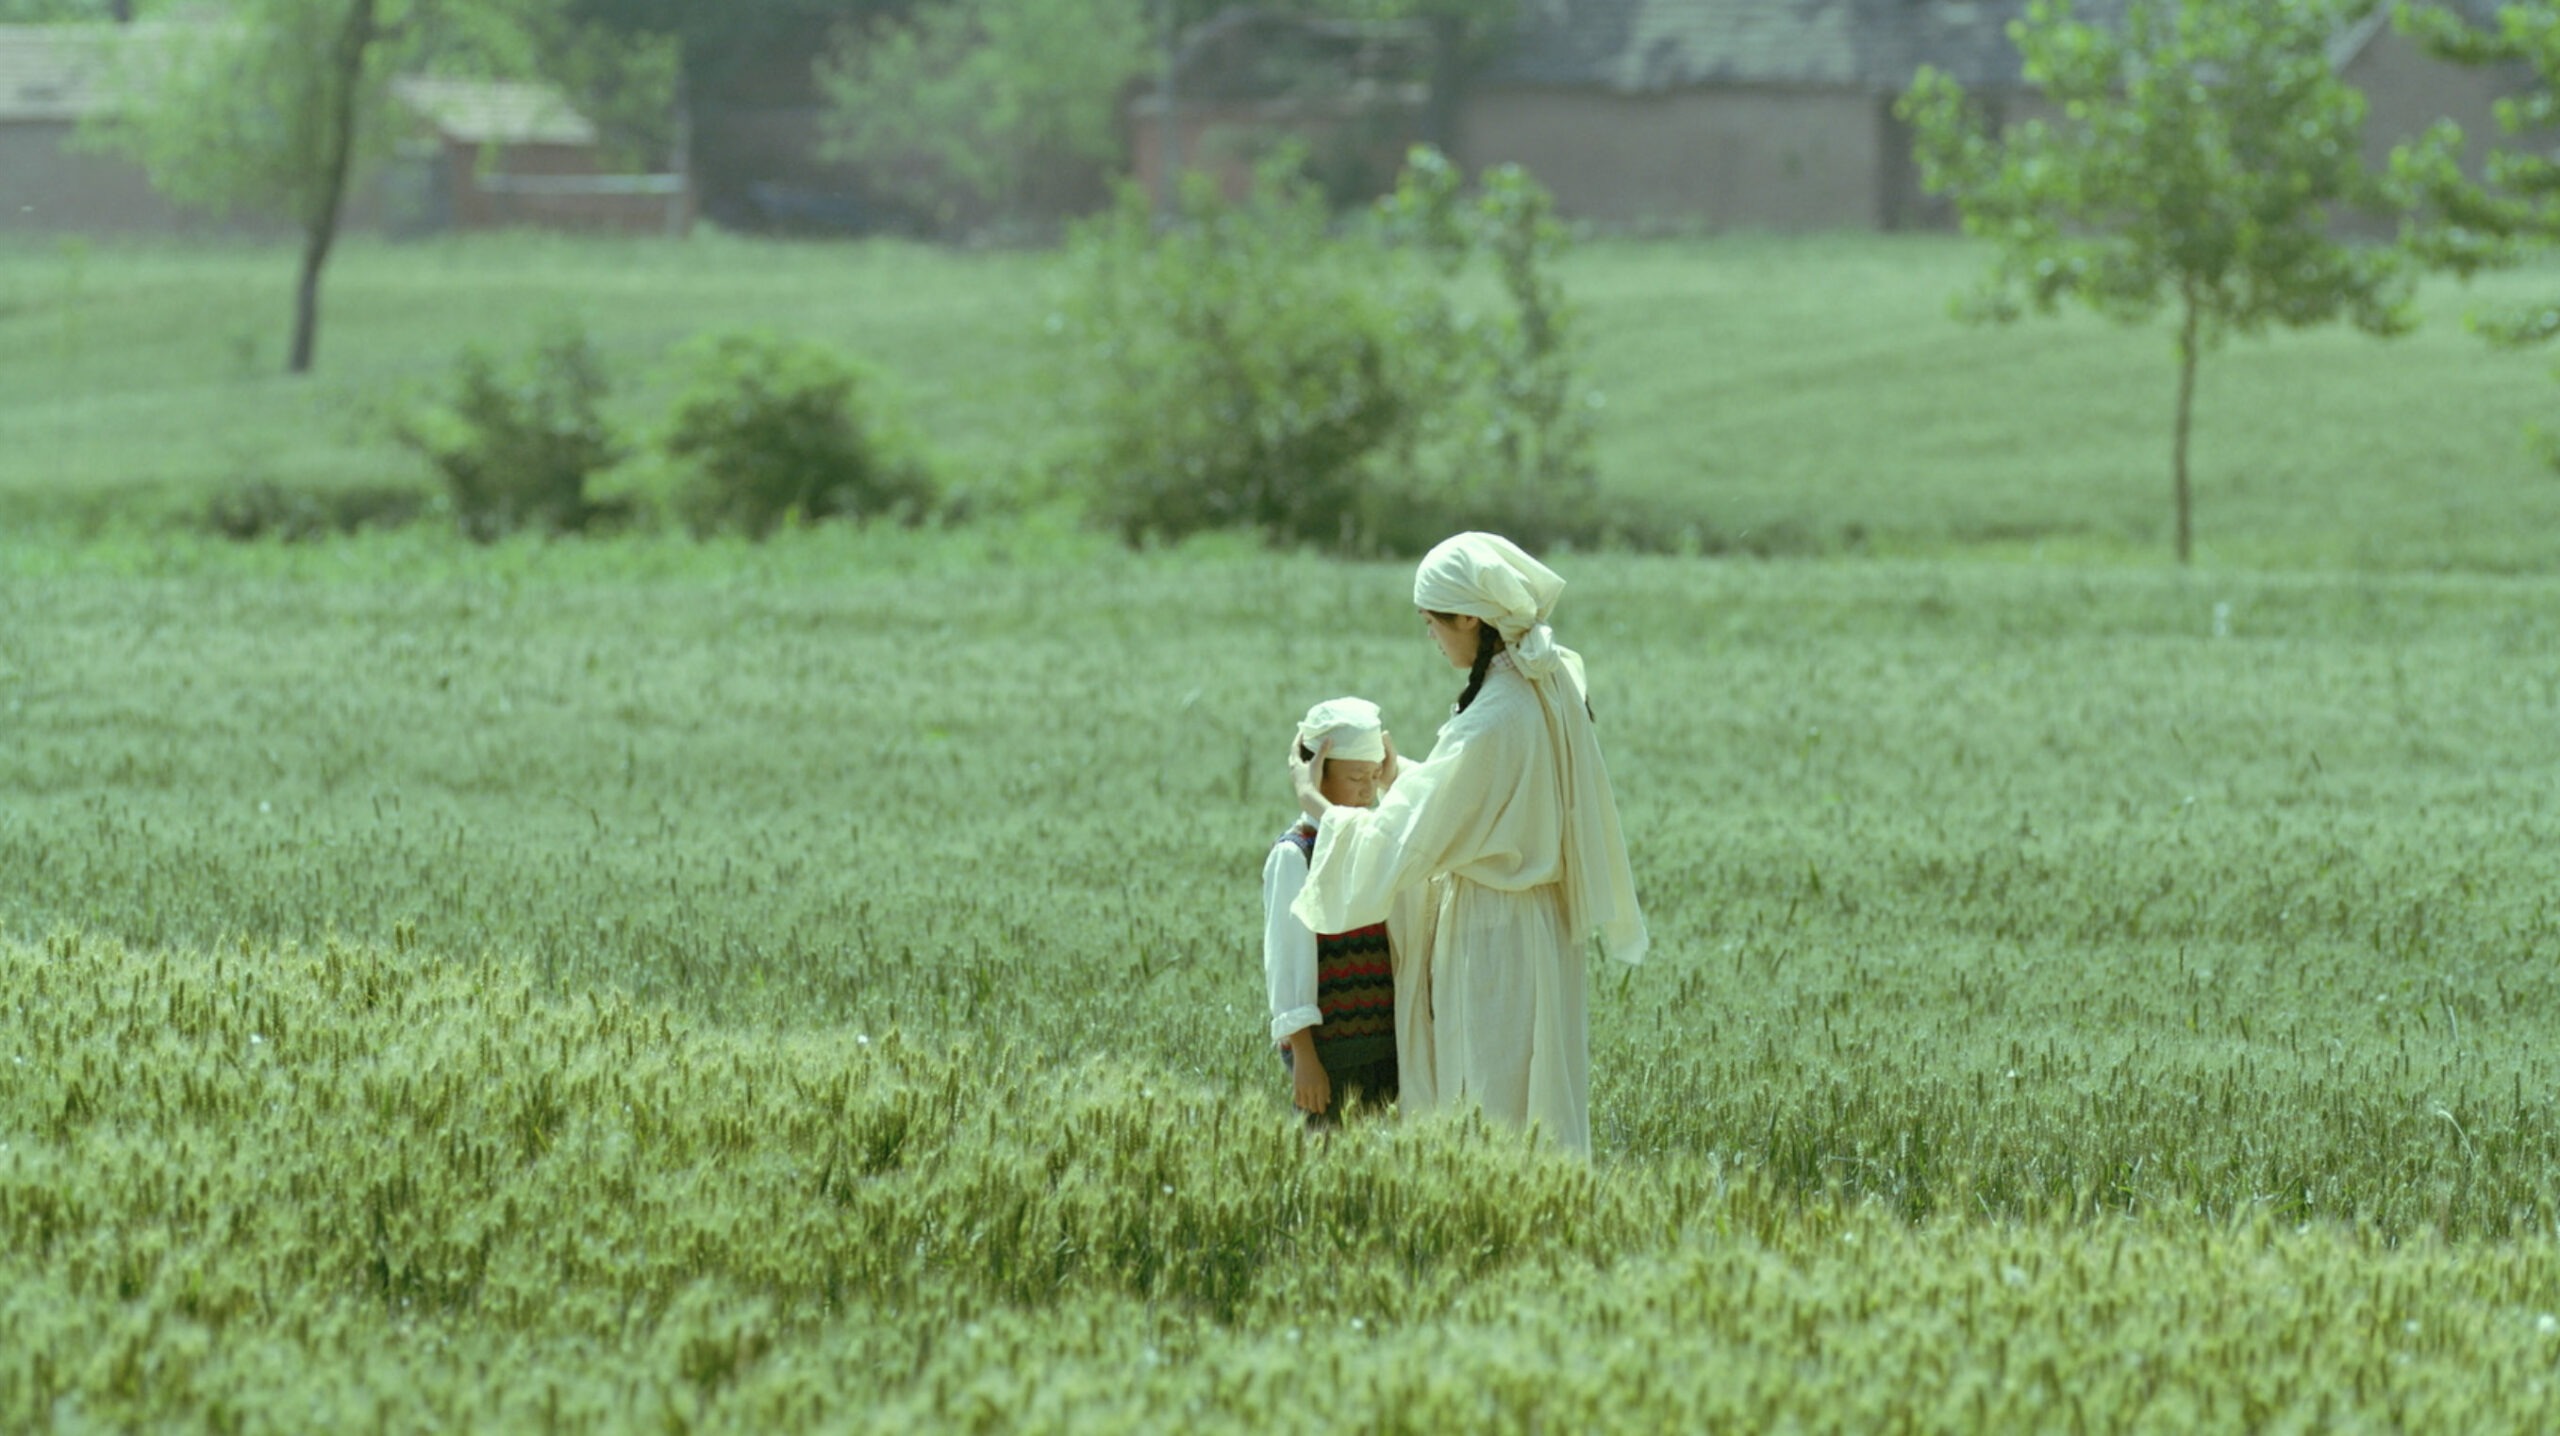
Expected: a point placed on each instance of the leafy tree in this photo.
(283, 104)
(1257, 365)
(695, 50)
(980, 103)
(2201, 157)
(976, 104)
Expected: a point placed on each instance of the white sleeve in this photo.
(1288, 945)
(1442, 813)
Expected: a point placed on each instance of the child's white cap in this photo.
(1352, 725)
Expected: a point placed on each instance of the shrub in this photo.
(1519, 420)
(1248, 370)
(1255, 368)
(516, 447)
(774, 427)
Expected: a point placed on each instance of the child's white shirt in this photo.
(1288, 945)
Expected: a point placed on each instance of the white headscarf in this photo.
(1493, 579)
(1352, 725)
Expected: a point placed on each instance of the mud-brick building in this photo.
(1778, 114)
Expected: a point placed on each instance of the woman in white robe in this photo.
(1510, 831)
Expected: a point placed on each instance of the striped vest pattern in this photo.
(1355, 986)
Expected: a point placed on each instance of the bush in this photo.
(1255, 368)
(516, 448)
(1518, 424)
(1248, 371)
(774, 428)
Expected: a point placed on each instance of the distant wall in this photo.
(2406, 90)
(471, 192)
(49, 187)
(1738, 158)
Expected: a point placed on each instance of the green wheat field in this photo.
(646, 984)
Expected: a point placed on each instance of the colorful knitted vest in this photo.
(1355, 986)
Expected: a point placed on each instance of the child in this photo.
(1333, 995)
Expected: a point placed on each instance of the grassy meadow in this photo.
(1768, 395)
(595, 985)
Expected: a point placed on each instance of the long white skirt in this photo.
(1502, 1009)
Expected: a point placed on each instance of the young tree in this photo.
(2198, 161)
(281, 105)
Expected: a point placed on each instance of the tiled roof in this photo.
(60, 73)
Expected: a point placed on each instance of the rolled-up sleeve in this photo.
(1288, 945)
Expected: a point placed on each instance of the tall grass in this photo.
(263, 1189)
(1979, 889)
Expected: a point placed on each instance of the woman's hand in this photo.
(1302, 777)
(1314, 1086)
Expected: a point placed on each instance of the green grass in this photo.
(1818, 390)
(813, 985)
(1798, 395)
(348, 1188)
(148, 379)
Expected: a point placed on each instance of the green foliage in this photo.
(1251, 367)
(279, 107)
(1246, 369)
(243, 115)
(987, 108)
(1520, 417)
(628, 84)
(2202, 158)
(2203, 153)
(496, 1209)
(517, 444)
(777, 428)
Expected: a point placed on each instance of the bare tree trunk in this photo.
(2187, 336)
(320, 223)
